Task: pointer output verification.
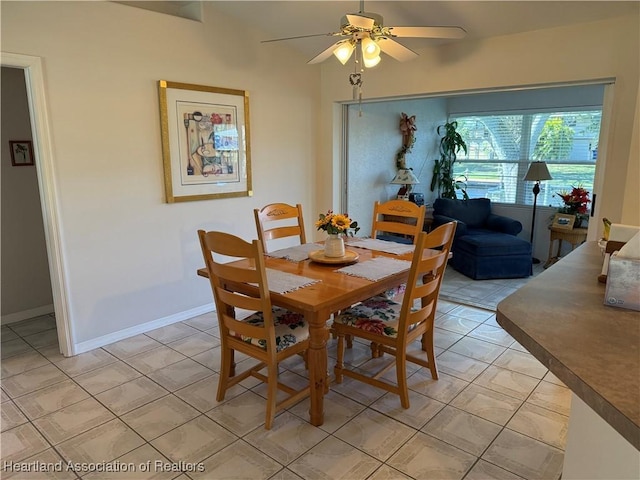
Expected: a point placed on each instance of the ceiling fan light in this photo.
(370, 49)
(371, 62)
(343, 52)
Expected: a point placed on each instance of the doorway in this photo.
(26, 284)
(31, 68)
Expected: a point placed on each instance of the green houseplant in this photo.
(451, 142)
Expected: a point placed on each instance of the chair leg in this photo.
(401, 376)
(376, 350)
(232, 363)
(272, 392)
(349, 339)
(427, 346)
(225, 372)
(340, 358)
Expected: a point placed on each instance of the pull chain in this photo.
(355, 79)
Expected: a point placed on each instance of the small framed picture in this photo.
(563, 221)
(21, 153)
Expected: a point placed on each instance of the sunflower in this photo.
(336, 223)
(341, 222)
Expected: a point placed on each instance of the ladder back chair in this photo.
(274, 221)
(396, 220)
(392, 327)
(439, 239)
(270, 335)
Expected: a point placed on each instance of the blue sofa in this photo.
(485, 245)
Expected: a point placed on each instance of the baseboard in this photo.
(26, 314)
(98, 342)
(465, 301)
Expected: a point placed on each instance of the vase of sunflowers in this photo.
(337, 225)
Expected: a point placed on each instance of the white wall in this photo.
(580, 52)
(374, 141)
(26, 287)
(631, 211)
(129, 257)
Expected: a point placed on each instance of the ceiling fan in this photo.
(367, 30)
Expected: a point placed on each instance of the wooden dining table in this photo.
(335, 291)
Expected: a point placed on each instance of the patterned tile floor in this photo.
(146, 407)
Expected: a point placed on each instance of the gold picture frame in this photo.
(563, 221)
(205, 142)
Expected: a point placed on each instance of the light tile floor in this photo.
(146, 406)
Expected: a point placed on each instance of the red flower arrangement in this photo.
(576, 202)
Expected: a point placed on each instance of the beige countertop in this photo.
(560, 318)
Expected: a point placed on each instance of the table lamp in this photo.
(537, 172)
(407, 179)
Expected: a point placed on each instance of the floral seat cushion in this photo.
(291, 328)
(376, 314)
(394, 293)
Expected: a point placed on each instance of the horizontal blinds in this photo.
(501, 147)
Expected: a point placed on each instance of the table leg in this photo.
(550, 255)
(317, 356)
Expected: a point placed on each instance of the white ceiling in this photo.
(481, 19)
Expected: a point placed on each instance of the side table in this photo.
(575, 237)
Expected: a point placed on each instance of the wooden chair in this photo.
(439, 239)
(399, 221)
(270, 335)
(399, 218)
(281, 214)
(391, 327)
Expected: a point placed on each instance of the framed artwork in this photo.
(563, 221)
(205, 142)
(21, 153)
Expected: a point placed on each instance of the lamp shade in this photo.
(370, 48)
(405, 176)
(343, 51)
(538, 171)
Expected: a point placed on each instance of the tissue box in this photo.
(623, 283)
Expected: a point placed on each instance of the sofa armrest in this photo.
(461, 227)
(504, 224)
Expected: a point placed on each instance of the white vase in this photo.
(334, 246)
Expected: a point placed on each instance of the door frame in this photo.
(44, 163)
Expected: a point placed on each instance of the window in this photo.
(500, 148)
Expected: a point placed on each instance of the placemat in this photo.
(295, 254)
(376, 268)
(394, 248)
(282, 282)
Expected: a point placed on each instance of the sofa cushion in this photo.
(474, 212)
(493, 244)
(395, 238)
(489, 267)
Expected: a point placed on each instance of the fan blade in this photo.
(428, 32)
(360, 21)
(396, 50)
(322, 56)
(303, 36)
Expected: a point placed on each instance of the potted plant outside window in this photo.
(451, 142)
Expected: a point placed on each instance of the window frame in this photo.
(522, 194)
